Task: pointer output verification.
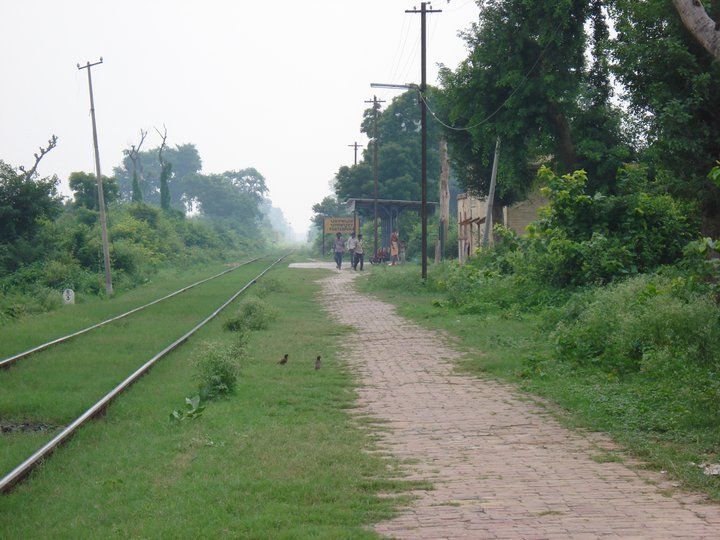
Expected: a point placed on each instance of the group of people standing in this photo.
(355, 247)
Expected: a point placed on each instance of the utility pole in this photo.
(424, 10)
(356, 146)
(376, 109)
(101, 196)
(491, 196)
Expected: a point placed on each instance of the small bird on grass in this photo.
(317, 363)
(283, 360)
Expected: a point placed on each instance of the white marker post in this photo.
(68, 297)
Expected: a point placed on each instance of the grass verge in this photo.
(280, 458)
(636, 410)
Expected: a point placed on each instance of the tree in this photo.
(527, 81)
(52, 143)
(25, 202)
(703, 28)
(234, 198)
(185, 161)
(672, 91)
(165, 172)
(329, 206)
(399, 155)
(85, 190)
(134, 154)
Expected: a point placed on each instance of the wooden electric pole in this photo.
(424, 10)
(376, 109)
(101, 196)
(491, 197)
(356, 146)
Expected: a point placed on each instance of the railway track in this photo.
(10, 360)
(22, 470)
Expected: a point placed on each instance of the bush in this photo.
(649, 323)
(218, 369)
(581, 239)
(270, 285)
(252, 314)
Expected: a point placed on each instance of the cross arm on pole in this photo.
(89, 65)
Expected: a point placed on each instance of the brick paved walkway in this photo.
(501, 466)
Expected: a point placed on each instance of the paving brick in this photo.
(509, 468)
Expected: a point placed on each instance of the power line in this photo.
(400, 51)
(502, 105)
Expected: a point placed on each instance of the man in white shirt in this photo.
(350, 245)
(359, 253)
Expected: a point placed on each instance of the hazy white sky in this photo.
(276, 85)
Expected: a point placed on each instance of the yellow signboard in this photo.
(343, 225)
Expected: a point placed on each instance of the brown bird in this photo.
(317, 363)
(283, 360)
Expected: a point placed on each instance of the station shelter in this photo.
(389, 211)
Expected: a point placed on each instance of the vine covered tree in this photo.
(165, 172)
(134, 154)
(185, 161)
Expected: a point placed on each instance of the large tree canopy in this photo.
(672, 88)
(233, 196)
(527, 81)
(399, 149)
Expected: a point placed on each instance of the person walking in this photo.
(351, 243)
(339, 250)
(359, 253)
(394, 248)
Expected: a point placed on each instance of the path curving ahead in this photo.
(501, 466)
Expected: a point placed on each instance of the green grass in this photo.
(281, 458)
(56, 385)
(19, 335)
(644, 415)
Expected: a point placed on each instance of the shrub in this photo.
(217, 370)
(252, 314)
(649, 323)
(270, 285)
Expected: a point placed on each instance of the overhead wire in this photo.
(502, 105)
(400, 51)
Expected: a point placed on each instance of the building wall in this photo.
(520, 215)
(471, 209)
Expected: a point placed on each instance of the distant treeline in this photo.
(49, 243)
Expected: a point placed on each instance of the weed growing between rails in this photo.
(662, 405)
(278, 458)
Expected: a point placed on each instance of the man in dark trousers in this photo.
(338, 249)
(359, 252)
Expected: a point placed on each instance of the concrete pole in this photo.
(98, 175)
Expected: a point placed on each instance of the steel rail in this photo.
(22, 470)
(7, 362)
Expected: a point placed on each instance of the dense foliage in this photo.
(47, 245)
(529, 80)
(583, 239)
(671, 87)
